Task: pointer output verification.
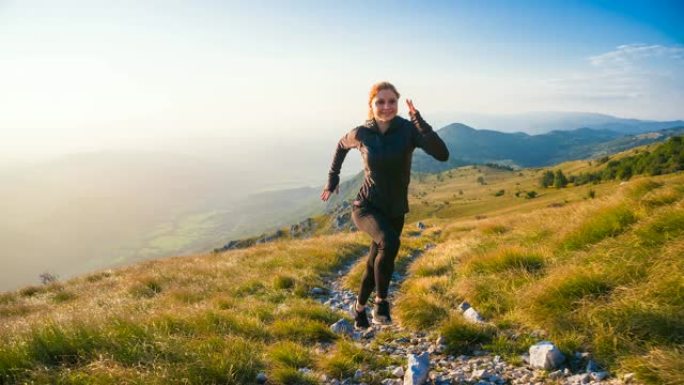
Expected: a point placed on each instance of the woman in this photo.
(386, 142)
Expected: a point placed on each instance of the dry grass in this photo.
(601, 274)
(213, 317)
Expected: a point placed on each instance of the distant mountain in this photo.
(468, 145)
(544, 122)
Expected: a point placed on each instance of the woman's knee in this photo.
(389, 243)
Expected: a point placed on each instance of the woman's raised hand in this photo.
(412, 109)
(325, 195)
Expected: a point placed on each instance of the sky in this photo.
(93, 75)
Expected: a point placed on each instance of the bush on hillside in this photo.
(664, 159)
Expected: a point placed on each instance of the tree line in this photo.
(664, 159)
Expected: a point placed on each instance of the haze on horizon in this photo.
(87, 76)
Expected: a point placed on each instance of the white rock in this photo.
(342, 327)
(472, 315)
(398, 372)
(599, 376)
(628, 377)
(261, 378)
(317, 291)
(417, 369)
(579, 379)
(479, 374)
(556, 375)
(358, 374)
(545, 355)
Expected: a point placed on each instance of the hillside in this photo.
(469, 145)
(541, 122)
(595, 268)
(107, 209)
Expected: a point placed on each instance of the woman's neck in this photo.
(383, 126)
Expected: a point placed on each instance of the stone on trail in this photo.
(599, 376)
(417, 369)
(579, 379)
(398, 372)
(318, 291)
(261, 378)
(342, 327)
(592, 366)
(479, 374)
(545, 355)
(463, 306)
(473, 316)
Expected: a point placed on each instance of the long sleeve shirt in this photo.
(387, 160)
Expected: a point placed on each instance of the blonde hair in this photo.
(377, 87)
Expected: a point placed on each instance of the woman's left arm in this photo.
(425, 137)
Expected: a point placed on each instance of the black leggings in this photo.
(383, 249)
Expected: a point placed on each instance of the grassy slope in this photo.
(602, 274)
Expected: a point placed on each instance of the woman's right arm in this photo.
(349, 141)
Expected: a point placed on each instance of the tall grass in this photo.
(206, 320)
(606, 222)
(505, 259)
(604, 279)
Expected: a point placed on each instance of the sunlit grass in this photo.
(606, 222)
(601, 275)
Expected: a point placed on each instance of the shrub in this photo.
(559, 179)
(547, 179)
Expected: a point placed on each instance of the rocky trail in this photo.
(424, 356)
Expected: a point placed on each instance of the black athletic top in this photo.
(387, 160)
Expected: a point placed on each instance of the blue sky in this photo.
(79, 75)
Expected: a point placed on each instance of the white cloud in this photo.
(636, 80)
(629, 54)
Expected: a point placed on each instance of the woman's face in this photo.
(384, 105)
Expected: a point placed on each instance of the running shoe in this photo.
(360, 318)
(381, 313)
